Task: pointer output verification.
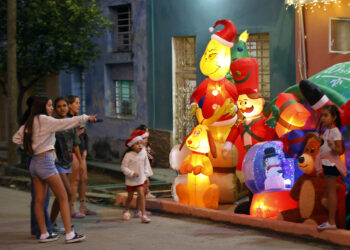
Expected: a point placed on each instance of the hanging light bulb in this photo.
(319, 3)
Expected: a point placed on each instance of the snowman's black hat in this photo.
(269, 152)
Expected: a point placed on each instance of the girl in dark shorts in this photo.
(135, 168)
(330, 150)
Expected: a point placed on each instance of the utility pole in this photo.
(12, 83)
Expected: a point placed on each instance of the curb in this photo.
(339, 237)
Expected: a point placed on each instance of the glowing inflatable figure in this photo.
(270, 176)
(215, 89)
(288, 114)
(265, 161)
(270, 204)
(198, 191)
(213, 103)
(252, 128)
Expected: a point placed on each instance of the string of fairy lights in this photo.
(313, 5)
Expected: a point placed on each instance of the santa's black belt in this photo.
(224, 170)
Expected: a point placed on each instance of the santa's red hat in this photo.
(245, 73)
(139, 132)
(132, 140)
(225, 36)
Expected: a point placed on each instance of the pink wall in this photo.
(316, 31)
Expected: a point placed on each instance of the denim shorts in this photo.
(330, 171)
(43, 166)
(62, 170)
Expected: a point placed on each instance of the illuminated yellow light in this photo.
(320, 3)
(216, 60)
(198, 142)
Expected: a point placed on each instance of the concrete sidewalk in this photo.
(225, 214)
(339, 237)
(166, 231)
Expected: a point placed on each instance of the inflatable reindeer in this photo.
(198, 191)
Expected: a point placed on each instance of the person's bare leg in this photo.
(332, 199)
(141, 195)
(55, 206)
(128, 200)
(40, 188)
(56, 184)
(146, 188)
(66, 183)
(74, 182)
(82, 185)
(55, 209)
(138, 203)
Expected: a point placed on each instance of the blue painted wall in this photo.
(193, 18)
(111, 66)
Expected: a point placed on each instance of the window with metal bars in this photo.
(124, 98)
(259, 48)
(121, 39)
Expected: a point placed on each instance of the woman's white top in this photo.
(44, 128)
(135, 163)
(332, 134)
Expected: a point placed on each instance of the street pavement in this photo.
(166, 231)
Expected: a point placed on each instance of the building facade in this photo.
(149, 66)
(178, 35)
(115, 85)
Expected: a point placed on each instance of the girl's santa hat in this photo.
(132, 140)
(142, 133)
(225, 36)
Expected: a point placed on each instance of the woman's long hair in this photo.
(38, 108)
(26, 114)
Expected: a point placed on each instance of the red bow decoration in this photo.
(284, 140)
(287, 143)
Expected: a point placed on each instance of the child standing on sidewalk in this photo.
(142, 131)
(135, 168)
(328, 157)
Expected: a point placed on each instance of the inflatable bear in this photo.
(309, 191)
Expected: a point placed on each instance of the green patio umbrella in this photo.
(336, 78)
(334, 82)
